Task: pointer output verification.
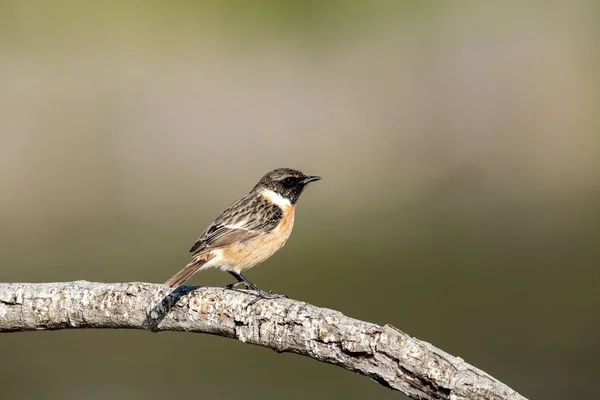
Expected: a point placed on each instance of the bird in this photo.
(250, 230)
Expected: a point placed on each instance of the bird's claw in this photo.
(263, 295)
(233, 285)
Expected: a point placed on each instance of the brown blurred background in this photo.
(458, 142)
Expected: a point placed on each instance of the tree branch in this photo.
(382, 353)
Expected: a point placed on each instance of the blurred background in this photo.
(458, 144)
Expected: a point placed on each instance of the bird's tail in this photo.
(186, 273)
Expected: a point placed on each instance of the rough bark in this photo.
(382, 353)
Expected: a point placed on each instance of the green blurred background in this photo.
(458, 142)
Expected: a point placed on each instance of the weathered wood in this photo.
(383, 353)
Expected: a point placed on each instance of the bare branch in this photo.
(382, 353)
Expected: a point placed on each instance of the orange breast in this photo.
(246, 255)
(287, 222)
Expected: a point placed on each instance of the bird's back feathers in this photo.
(238, 223)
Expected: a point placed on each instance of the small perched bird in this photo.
(250, 230)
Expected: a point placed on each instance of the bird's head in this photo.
(283, 184)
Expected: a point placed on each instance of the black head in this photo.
(286, 182)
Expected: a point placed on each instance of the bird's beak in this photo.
(309, 179)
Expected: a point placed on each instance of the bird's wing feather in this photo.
(245, 219)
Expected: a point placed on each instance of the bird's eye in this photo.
(289, 181)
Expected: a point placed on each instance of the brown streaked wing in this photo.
(245, 219)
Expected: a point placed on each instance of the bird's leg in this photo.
(249, 284)
(240, 281)
(233, 285)
(260, 294)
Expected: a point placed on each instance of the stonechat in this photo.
(250, 230)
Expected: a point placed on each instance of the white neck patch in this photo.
(276, 198)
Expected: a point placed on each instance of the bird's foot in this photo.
(234, 284)
(263, 295)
